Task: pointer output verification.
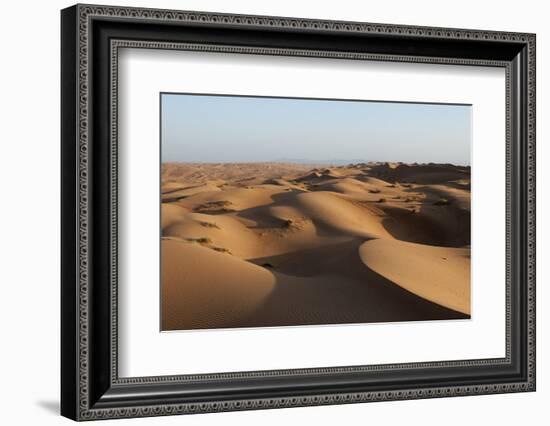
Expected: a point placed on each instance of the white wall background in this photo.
(29, 225)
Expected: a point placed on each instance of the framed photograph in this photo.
(263, 212)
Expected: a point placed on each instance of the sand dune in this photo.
(424, 173)
(438, 274)
(338, 289)
(169, 194)
(195, 294)
(224, 233)
(338, 214)
(270, 244)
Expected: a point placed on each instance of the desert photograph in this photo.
(291, 212)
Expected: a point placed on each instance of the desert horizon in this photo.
(256, 244)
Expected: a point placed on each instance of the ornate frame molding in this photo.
(85, 14)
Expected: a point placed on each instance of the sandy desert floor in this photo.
(274, 244)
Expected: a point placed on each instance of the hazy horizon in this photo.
(307, 162)
(237, 129)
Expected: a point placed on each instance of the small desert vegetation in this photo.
(374, 191)
(167, 199)
(298, 184)
(287, 223)
(221, 249)
(210, 204)
(215, 207)
(442, 202)
(209, 225)
(201, 240)
(382, 200)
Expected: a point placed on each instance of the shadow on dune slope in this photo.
(340, 289)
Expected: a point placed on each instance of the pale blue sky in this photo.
(209, 128)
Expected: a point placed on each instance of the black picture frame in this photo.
(90, 386)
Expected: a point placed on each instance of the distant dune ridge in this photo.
(276, 244)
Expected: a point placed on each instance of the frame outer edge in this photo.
(83, 13)
(83, 60)
(531, 214)
(69, 190)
